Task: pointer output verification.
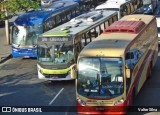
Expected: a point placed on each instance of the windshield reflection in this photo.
(26, 35)
(100, 77)
(55, 53)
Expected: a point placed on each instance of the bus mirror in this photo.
(76, 72)
(128, 73)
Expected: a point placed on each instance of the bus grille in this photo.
(55, 75)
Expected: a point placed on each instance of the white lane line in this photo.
(56, 96)
(4, 94)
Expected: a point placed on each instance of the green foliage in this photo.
(12, 7)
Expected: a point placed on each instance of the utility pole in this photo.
(7, 27)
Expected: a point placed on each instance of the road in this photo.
(20, 86)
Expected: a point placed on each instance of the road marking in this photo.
(4, 94)
(56, 96)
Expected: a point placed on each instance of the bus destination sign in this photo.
(54, 39)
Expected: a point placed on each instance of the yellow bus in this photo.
(112, 69)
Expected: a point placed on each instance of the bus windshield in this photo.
(60, 53)
(26, 35)
(147, 2)
(100, 77)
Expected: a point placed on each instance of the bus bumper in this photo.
(102, 110)
(54, 77)
(24, 52)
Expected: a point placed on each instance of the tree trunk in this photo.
(7, 28)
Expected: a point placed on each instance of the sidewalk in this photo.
(5, 50)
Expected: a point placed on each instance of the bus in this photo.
(89, 4)
(123, 7)
(58, 48)
(29, 25)
(149, 6)
(83, 3)
(112, 69)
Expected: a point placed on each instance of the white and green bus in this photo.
(59, 48)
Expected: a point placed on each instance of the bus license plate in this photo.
(55, 77)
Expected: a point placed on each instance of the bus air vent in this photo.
(94, 17)
(75, 21)
(125, 26)
(66, 27)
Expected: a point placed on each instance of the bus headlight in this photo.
(81, 102)
(119, 102)
(69, 72)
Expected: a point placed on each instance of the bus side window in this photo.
(69, 15)
(110, 21)
(50, 23)
(102, 27)
(106, 23)
(131, 7)
(46, 25)
(84, 40)
(125, 10)
(63, 17)
(140, 3)
(73, 13)
(77, 11)
(58, 20)
(98, 30)
(128, 9)
(122, 11)
(92, 34)
(115, 18)
(53, 22)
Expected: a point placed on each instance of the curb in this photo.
(3, 59)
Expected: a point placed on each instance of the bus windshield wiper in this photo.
(61, 46)
(109, 93)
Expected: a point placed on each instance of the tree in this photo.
(10, 8)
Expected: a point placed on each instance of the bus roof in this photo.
(114, 44)
(79, 1)
(110, 4)
(39, 16)
(80, 24)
